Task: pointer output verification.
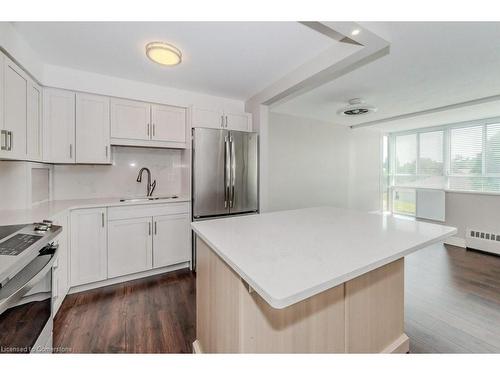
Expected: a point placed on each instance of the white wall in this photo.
(313, 163)
(477, 211)
(78, 80)
(308, 163)
(365, 156)
(119, 179)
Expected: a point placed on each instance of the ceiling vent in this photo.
(356, 107)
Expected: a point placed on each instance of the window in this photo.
(466, 146)
(493, 149)
(406, 154)
(419, 159)
(430, 158)
(404, 201)
(385, 174)
(456, 157)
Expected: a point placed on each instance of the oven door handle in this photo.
(14, 290)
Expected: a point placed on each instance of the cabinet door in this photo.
(16, 109)
(130, 119)
(129, 246)
(171, 240)
(34, 132)
(168, 123)
(59, 126)
(92, 129)
(3, 135)
(60, 277)
(88, 251)
(238, 121)
(206, 118)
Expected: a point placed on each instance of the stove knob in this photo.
(48, 223)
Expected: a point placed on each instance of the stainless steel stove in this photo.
(26, 259)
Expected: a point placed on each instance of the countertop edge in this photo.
(113, 202)
(281, 303)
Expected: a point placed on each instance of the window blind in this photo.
(466, 146)
(457, 157)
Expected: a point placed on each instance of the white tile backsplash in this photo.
(119, 179)
(40, 184)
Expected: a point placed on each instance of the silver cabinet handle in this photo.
(221, 121)
(106, 150)
(9, 140)
(233, 172)
(3, 140)
(227, 171)
(149, 228)
(156, 229)
(154, 129)
(102, 219)
(147, 129)
(226, 121)
(71, 151)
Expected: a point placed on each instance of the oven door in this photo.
(25, 306)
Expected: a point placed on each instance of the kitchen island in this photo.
(316, 280)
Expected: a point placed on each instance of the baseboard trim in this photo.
(197, 347)
(400, 346)
(134, 276)
(455, 241)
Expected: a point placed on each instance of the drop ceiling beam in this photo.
(327, 66)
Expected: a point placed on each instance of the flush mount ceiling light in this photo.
(356, 107)
(163, 53)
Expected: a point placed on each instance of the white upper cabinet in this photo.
(34, 139)
(88, 246)
(92, 129)
(238, 121)
(130, 120)
(15, 110)
(206, 118)
(59, 126)
(136, 123)
(171, 240)
(129, 246)
(168, 123)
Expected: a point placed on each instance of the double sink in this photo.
(144, 199)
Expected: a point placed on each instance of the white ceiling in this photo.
(429, 65)
(230, 59)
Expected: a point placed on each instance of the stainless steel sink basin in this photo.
(145, 199)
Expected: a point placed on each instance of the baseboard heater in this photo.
(488, 241)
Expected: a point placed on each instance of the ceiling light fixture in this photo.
(355, 32)
(356, 107)
(163, 53)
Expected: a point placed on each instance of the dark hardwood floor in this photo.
(151, 315)
(452, 306)
(452, 301)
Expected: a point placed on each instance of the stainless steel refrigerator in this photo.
(225, 173)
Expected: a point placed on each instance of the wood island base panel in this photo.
(362, 315)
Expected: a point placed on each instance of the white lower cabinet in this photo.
(171, 240)
(60, 270)
(125, 240)
(88, 256)
(129, 246)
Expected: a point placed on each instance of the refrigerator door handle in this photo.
(233, 172)
(227, 171)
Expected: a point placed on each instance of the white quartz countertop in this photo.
(50, 209)
(289, 256)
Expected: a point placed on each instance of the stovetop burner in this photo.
(7, 230)
(18, 243)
